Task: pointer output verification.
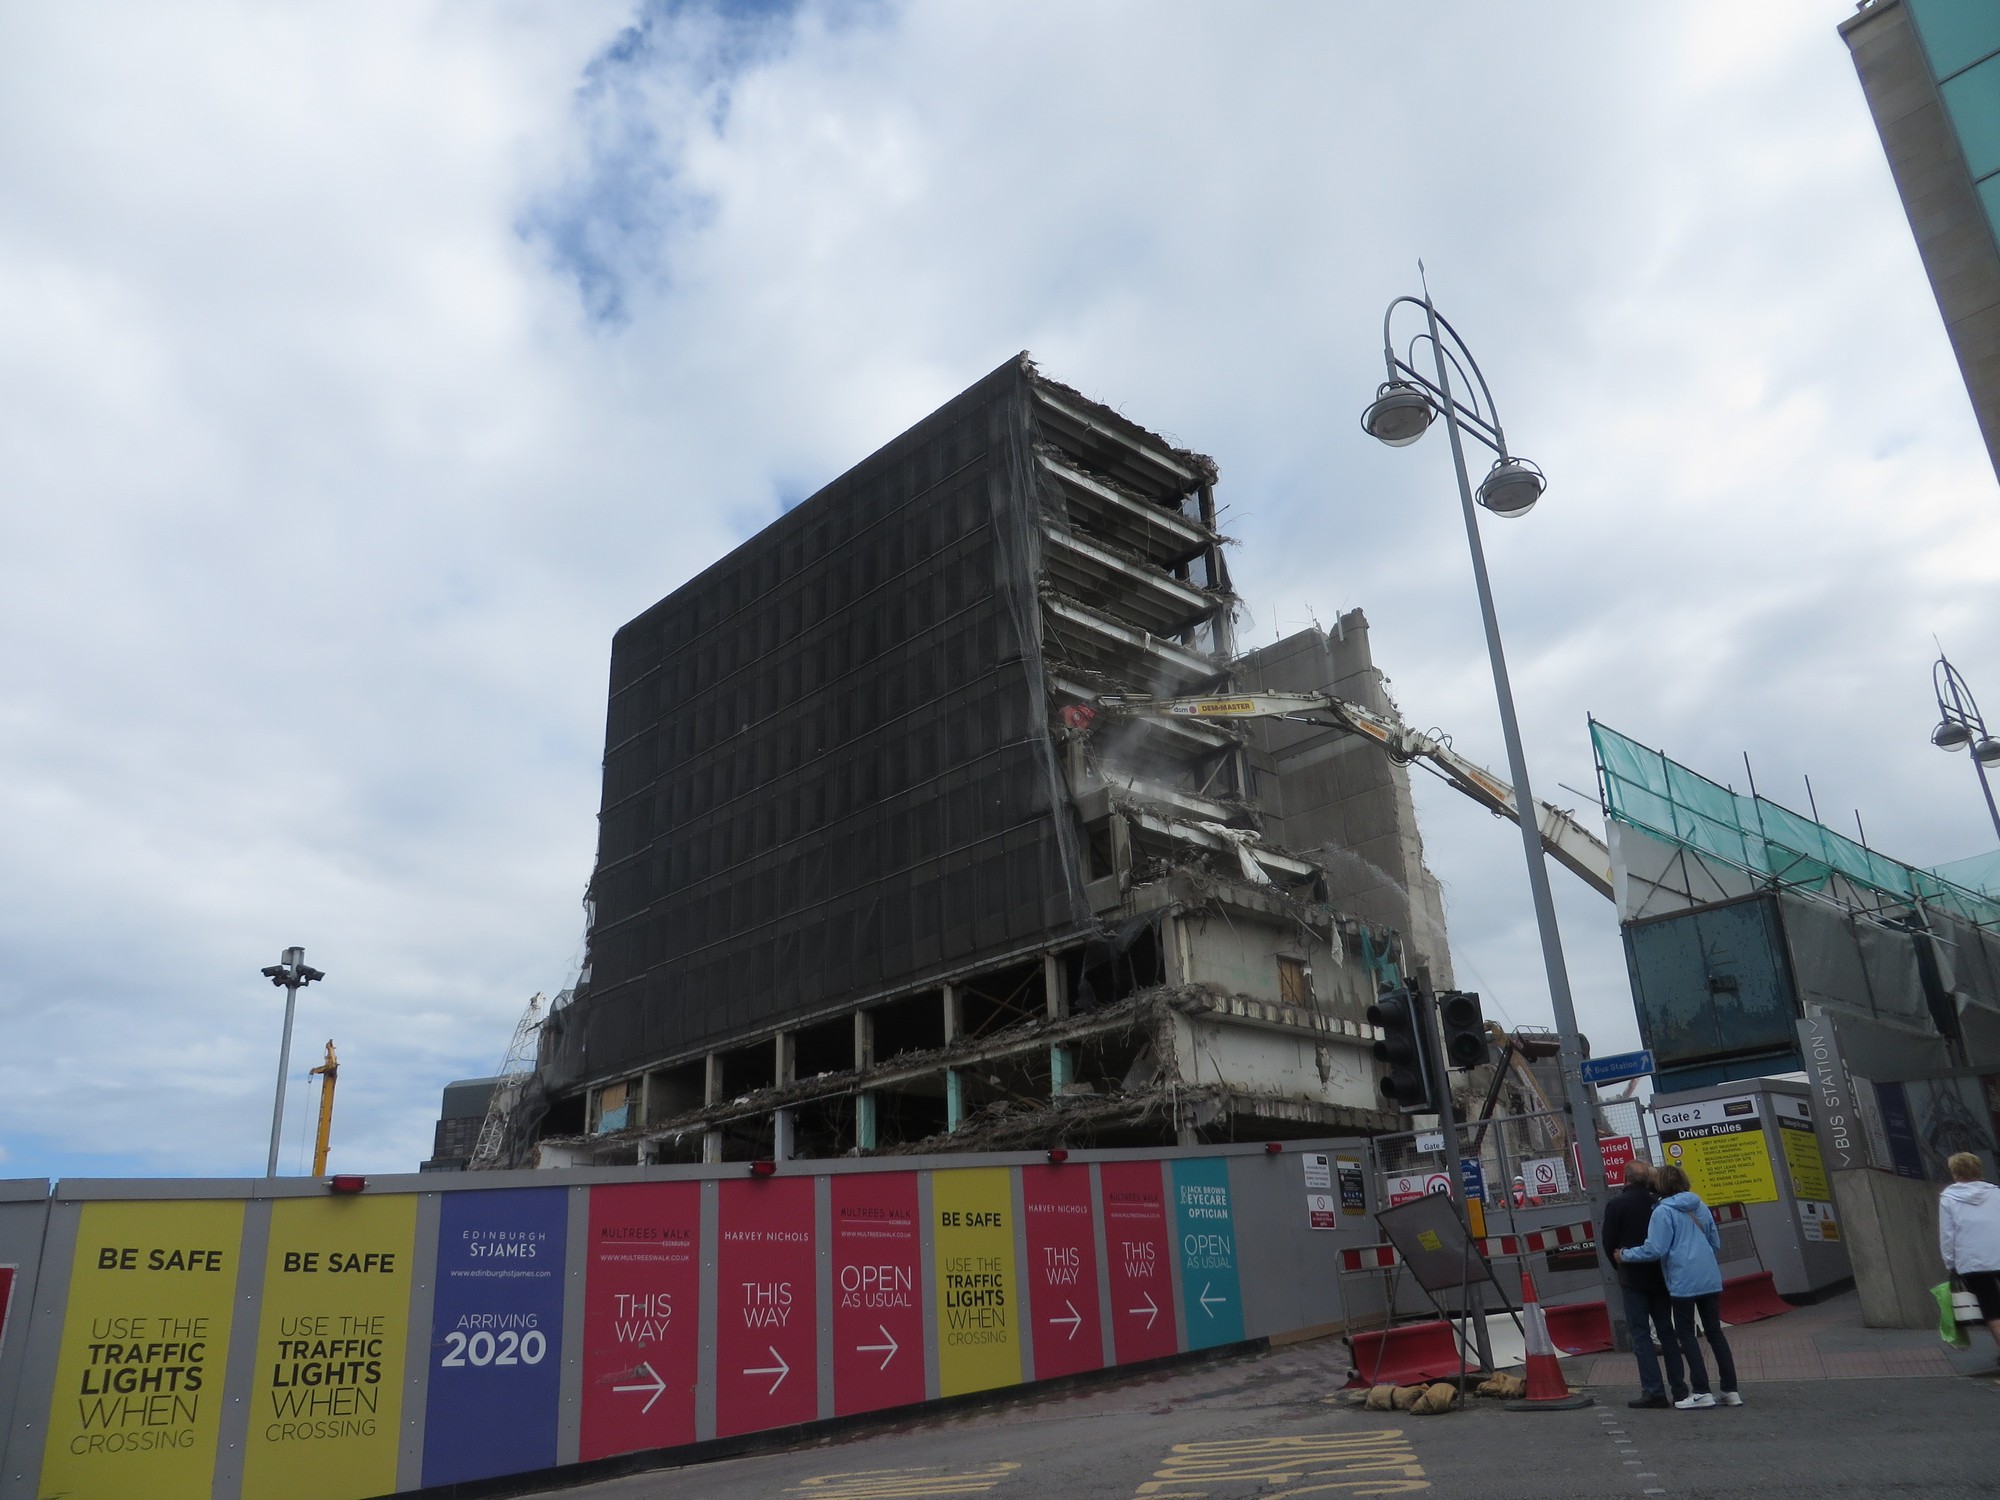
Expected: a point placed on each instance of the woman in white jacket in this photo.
(1969, 1235)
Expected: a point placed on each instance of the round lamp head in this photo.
(1987, 751)
(1511, 487)
(1950, 735)
(1399, 415)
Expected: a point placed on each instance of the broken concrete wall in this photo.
(1337, 798)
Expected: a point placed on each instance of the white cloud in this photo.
(326, 488)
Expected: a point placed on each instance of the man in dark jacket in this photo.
(1647, 1306)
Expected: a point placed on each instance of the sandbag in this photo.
(1504, 1387)
(1403, 1397)
(1440, 1397)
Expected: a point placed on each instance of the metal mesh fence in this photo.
(1515, 1161)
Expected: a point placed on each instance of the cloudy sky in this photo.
(363, 366)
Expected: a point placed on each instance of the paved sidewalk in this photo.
(1823, 1341)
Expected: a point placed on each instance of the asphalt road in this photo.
(1272, 1426)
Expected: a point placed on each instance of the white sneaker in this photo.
(1699, 1401)
(1730, 1398)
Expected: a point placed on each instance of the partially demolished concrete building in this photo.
(878, 866)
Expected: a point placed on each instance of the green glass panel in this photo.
(1646, 790)
(1956, 33)
(1989, 194)
(1973, 101)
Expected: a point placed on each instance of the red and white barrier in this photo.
(1493, 1247)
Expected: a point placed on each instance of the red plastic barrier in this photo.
(1746, 1299)
(1404, 1356)
(1579, 1327)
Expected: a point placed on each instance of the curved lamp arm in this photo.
(1480, 418)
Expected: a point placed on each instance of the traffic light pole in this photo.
(1433, 1036)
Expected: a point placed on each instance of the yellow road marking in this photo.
(901, 1484)
(1377, 1462)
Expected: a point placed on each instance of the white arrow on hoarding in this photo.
(1151, 1310)
(1075, 1319)
(781, 1370)
(887, 1351)
(656, 1387)
(1204, 1299)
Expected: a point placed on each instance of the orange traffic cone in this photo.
(1546, 1388)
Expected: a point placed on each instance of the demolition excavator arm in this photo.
(1568, 842)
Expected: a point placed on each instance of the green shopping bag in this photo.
(1948, 1328)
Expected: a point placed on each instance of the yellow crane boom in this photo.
(328, 1073)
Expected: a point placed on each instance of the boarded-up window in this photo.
(614, 1107)
(1295, 982)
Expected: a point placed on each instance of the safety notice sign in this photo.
(641, 1324)
(1140, 1252)
(1407, 1187)
(1062, 1270)
(766, 1322)
(1720, 1144)
(878, 1311)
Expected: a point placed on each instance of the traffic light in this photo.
(1410, 1083)
(1465, 1043)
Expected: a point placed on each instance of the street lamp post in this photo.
(291, 975)
(1403, 409)
(1959, 723)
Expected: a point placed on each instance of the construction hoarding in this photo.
(270, 1339)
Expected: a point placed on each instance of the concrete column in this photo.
(864, 1040)
(1174, 938)
(864, 1121)
(711, 1089)
(711, 1146)
(954, 1090)
(1062, 1070)
(1052, 986)
(785, 1058)
(645, 1100)
(781, 1136)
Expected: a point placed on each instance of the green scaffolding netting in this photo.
(1645, 790)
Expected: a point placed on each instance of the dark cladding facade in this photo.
(829, 772)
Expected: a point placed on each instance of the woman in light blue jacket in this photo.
(1683, 1237)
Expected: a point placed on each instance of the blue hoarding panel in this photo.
(1205, 1237)
(496, 1334)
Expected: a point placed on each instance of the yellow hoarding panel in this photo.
(978, 1301)
(138, 1395)
(326, 1395)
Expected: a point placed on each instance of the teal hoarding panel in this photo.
(1205, 1237)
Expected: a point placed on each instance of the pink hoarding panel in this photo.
(1141, 1255)
(766, 1323)
(878, 1310)
(641, 1335)
(1061, 1270)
